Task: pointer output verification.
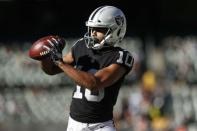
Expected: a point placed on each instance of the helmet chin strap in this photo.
(100, 45)
(106, 38)
(96, 46)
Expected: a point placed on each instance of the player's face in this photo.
(98, 33)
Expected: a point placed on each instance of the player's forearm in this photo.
(82, 78)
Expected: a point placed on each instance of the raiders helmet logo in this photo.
(119, 20)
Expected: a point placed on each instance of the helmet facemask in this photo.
(92, 42)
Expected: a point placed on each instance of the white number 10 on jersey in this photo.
(94, 98)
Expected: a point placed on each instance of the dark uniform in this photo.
(97, 106)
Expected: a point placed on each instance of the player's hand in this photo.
(56, 56)
(57, 43)
(55, 50)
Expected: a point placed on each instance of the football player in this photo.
(98, 68)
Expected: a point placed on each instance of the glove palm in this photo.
(56, 56)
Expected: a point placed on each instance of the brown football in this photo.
(37, 50)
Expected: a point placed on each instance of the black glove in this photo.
(55, 50)
(58, 43)
(56, 56)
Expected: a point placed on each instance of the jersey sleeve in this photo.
(125, 59)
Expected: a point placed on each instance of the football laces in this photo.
(45, 52)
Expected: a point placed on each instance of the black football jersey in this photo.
(97, 106)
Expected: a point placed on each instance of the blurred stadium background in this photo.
(159, 94)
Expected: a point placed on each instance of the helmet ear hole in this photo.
(118, 32)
